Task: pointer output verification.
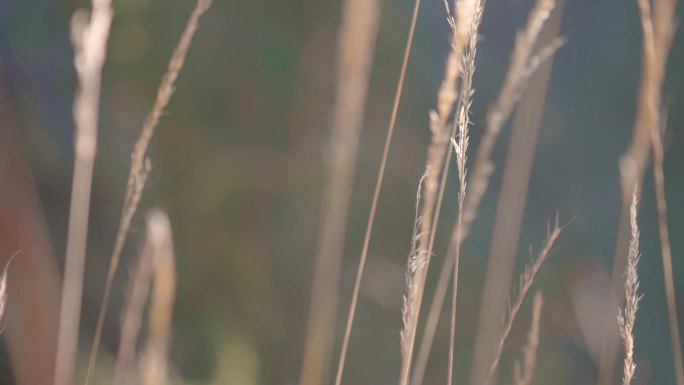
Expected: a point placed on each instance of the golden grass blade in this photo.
(524, 371)
(357, 36)
(141, 167)
(89, 38)
(376, 196)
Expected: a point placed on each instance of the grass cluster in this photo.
(153, 282)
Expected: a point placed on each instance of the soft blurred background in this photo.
(239, 167)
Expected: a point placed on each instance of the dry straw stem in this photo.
(626, 318)
(526, 280)
(524, 371)
(419, 257)
(89, 37)
(139, 289)
(141, 166)
(154, 362)
(357, 36)
(376, 196)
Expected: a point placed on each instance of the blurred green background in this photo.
(239, 162)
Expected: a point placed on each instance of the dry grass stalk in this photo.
(659, 25)
(626, 318)
(526, 280)
(523, 63)
(357, 36)
(139, 289)
(447, 96)
(659, 28)
(376, 196)
(524, 371)
(89, 37)
(3, 287)
(666, 251)
(460, 127)
(141, 166)
(412, 266)
(461, 150)
(154, 370)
